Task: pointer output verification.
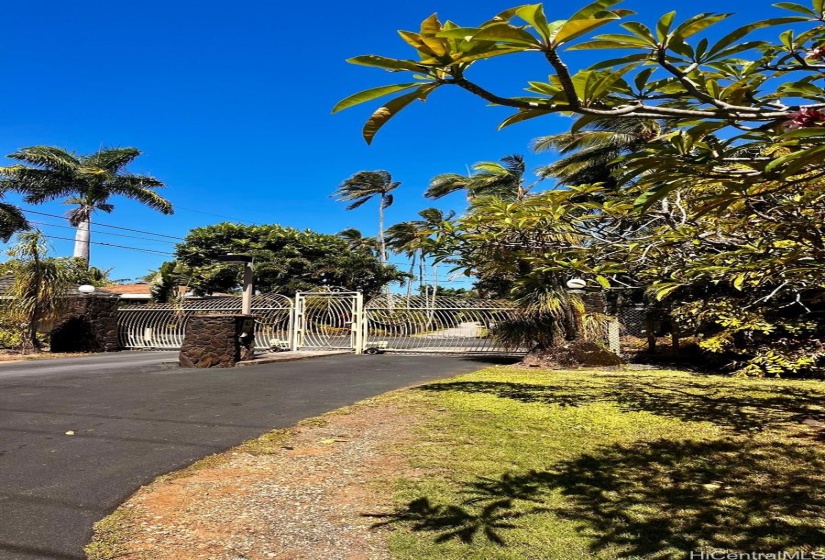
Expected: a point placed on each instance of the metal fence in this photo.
(389, 322)
(163, 326)
(435, 324)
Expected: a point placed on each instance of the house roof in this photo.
(6, 281)
(139, 288)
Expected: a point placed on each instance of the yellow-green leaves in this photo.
(369, 95)
(384, 113)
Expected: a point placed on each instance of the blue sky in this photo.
(231, 105)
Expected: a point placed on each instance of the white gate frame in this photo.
(356, 323)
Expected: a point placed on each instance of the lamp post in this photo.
(248, 261)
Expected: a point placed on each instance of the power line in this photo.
(112, 245)
(108, 226)
(104, 232)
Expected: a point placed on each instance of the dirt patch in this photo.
(17, 356)
(300, 495)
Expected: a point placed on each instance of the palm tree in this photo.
(489, 179)
(88, 180)
(358, 242)
(361, 188)
(413, 239)
(37, 294)
(12, 219)
(590, 153)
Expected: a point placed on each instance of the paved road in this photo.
(134, 419)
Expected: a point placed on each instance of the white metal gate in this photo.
(329, 320)
(435, 324)
(163, 325)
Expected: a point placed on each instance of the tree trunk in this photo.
(381, 230)
(81, 240)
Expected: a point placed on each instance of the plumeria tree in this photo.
(742, 110)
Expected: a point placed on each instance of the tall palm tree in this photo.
(589, 154)
(363, 187)
(413, 239)
(488, 179)
(88, 180)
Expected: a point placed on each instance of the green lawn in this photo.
(525, 464)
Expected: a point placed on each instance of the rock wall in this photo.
(89, 325)
(215, 341)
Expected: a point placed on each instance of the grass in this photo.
(569, 465)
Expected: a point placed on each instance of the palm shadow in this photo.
(655, 500)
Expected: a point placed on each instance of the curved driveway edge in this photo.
(77, 436)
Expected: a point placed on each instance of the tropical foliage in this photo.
(489, 179)
(85, 181)
(363, 187)
(693, 169)
(37, 294)
(286, 260)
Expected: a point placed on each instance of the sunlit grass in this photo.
(587, 465)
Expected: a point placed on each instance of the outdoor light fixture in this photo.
(86, 289)
(576, 284)
(247, 260)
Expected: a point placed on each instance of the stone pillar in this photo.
(88, 325)
(218, 340)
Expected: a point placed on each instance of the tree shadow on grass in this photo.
(490, 507)
(688, 400)
(657, 500)
(663, 499)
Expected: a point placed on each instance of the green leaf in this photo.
(522, 116)
(613, 62)
(640, 31)
(795, 8)
(819, 6)
(416, 41)
(641, 79)
(603, 282)
(739, 280)
(534, 15)
(505, 33)
(574, 29)
(786, 38)
(650, 197)
(663, 27)
(591, 10)
(387, 63)
(607, 44)
(662, 290)
(430, 26)
(805, 132)
(458, 33)
(383, 114)
(697, 23)
(370, 94)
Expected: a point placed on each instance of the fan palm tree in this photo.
(88, 180)
(489, 179)
(590, 153)
(363, 187)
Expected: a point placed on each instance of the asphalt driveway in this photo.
(77, 436)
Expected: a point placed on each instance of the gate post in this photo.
(358, 323)
(297, 323)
